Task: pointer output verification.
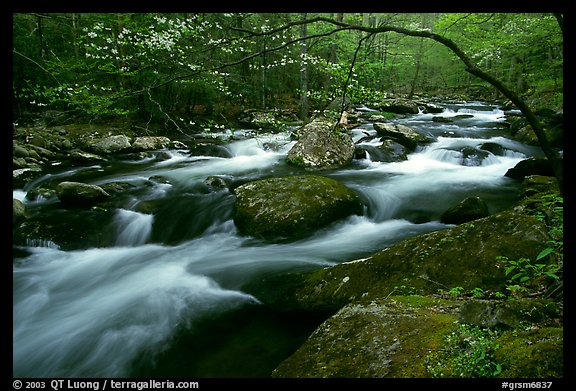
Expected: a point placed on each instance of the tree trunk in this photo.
(417, 71)
(40, 38)
(304, 104)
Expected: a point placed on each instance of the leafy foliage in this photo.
(523, 274)
(167, 66)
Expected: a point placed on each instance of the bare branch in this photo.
(39, 66)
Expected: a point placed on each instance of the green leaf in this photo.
(509, 270)
(517, 275)
(544, 253)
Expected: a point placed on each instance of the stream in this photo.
(164, 295)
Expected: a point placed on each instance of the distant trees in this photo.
(175, 67)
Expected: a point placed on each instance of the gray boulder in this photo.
(148, 143)
(78, 193)
(111, 144)
(320, 146)
(402, 134)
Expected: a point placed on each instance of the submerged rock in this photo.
(292, 206)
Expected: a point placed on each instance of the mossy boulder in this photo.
(464, 256)
(293, 206)
(414, 336)
(383, 338)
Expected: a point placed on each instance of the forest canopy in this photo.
(174, 68)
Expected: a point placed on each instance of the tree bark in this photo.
(304, 107)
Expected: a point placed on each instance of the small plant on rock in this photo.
(468, 353)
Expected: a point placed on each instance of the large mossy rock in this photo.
(290, 207)
(464, 256)
(534, 353)
(383, 338)
(408, 337)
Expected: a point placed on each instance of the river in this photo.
(164, 296)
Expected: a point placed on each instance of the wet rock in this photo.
(389, 151)
(472, 157)
(210, 148)
(398, 106)
(494, 148)
(292, 206)
(438, 118)
(319, 146)
(78, 193)
(530, 166)
(401, 134)
(471, 208)
(215, 182)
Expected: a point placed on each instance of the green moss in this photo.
(375, 338)
(293, 206)
(534, 353)
(417, 301)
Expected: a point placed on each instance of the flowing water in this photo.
(163, 296)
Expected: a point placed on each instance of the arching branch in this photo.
(473, 69)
